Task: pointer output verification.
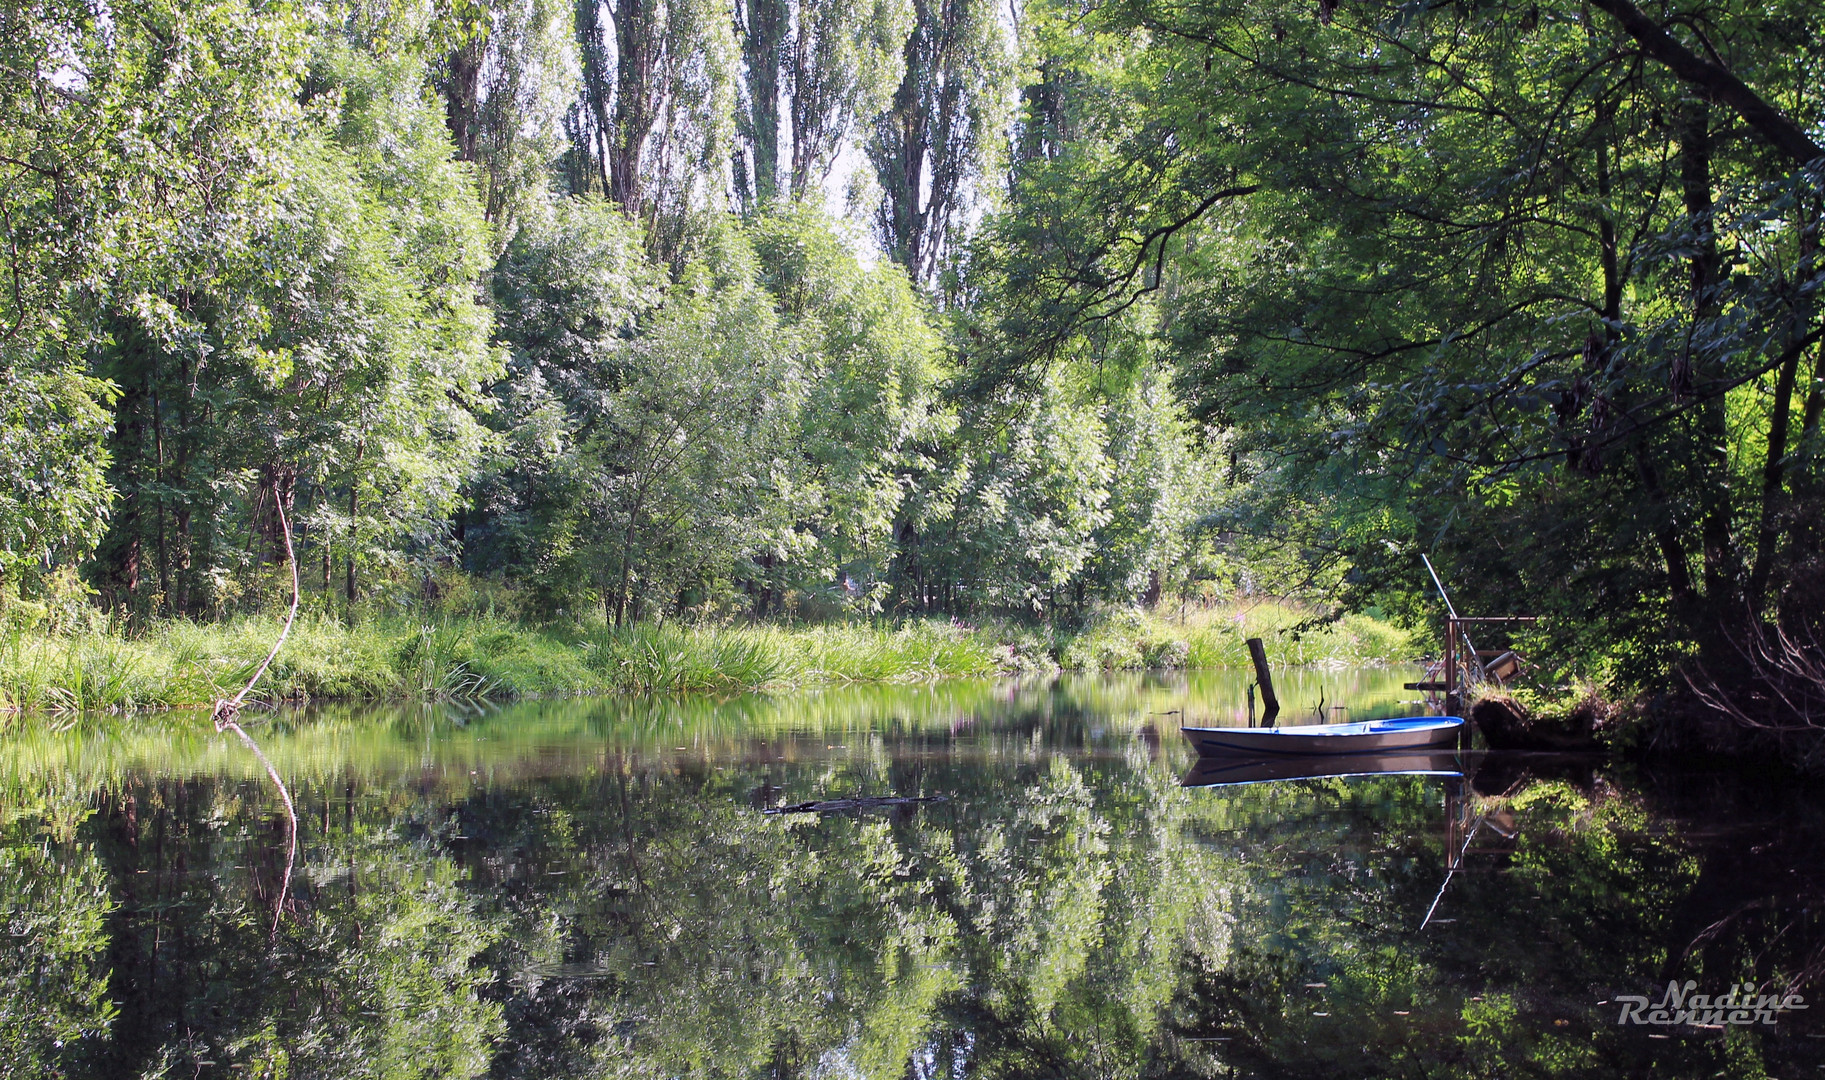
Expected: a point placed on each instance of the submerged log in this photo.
(838, 806)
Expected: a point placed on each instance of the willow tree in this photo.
(680, 464)
(874, 362)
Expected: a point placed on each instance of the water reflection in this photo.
(595, 888)
(1226, 770)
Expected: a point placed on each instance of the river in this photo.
(595, 887)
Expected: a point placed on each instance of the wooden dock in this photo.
(1463, 665)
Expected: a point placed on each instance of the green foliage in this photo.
(128, 137)
(567, 292)
(53, 488)
(681, 470)
(1481, 282)
(1020, 508)
(870, 408)
(321, 349)
(54, 908)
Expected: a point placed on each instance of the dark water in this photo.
(592, 889)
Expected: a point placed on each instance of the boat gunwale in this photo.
(1344, 730)
(1358, 737)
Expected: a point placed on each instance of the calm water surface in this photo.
(594, 888)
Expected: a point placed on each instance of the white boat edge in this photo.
(1357, 737)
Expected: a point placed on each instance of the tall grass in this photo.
(1215, 638)
(180, 664)
(670, 659)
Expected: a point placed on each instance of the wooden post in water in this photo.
(1270, 704)
(1453, 700)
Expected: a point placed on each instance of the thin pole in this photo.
(1450, 872)
(1441, 585)
(1453, 628)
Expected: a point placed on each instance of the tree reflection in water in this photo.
(589, 889)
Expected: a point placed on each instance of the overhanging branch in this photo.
(1714, 81)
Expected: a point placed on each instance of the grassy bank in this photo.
(181, 664)
(1218, 637)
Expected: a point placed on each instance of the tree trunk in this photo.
(1774, 460)
(1714, 82)
(590, 133)
(1804, 497)
(180, 477)
(1667, 538)
(764, 25)
(158, 474)
(348, 593)
(639, 51)
(1774, 464)
(1721, 580)
(461, 86)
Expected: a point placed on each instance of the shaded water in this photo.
(592, 888)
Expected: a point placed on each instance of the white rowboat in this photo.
(1363, 737)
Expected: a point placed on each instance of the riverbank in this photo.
(183, 664)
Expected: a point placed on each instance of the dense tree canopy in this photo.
(656, 310)
(1529, 286)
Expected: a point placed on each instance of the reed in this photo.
(670, 659)
(182, 664)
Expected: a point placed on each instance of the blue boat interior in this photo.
(1411, 724)
(1361, 727)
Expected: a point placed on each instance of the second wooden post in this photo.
(1271, 704)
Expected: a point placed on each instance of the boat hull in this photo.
(1226, 770)
(1367, 737)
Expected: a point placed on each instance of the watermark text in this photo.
(1680, 1006)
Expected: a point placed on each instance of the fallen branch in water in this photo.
(837, 806)
(226, 714)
